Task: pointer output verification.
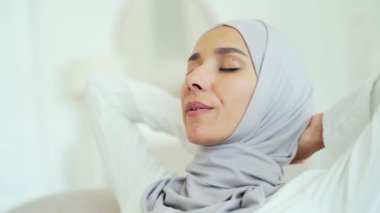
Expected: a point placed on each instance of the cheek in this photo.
(236, 96)
(184, 93)
(238, 93)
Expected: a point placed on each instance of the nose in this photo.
(199, 80)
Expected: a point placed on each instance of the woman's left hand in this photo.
(311, 140)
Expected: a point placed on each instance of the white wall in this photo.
(47, 46)
(42, 125)
(18, 127)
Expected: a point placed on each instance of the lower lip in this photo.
(198, 112)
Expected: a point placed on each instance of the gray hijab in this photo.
(241, 172)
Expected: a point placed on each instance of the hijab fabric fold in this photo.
(241, 172)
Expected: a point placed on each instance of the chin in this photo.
(200, 138)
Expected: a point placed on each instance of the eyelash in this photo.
(222, 70)
(228, 69)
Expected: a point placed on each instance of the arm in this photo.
(150, 105)
(130, 163)
(342, 124)
(158, 110)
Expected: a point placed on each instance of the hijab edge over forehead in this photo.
(257, 46)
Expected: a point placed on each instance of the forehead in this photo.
(222, 36)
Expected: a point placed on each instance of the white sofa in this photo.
(82, 201)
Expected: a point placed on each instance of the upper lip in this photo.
(197, 105)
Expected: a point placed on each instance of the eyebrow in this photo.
(219, 51)
(194, 57)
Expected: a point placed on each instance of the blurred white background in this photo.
(49, 47)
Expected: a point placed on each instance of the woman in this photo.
(246, 100)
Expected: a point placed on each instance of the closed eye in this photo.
(229, 69)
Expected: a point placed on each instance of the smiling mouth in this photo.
(197, 108)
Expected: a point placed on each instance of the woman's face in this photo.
(218, 86)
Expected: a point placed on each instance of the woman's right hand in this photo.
(311, 140)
